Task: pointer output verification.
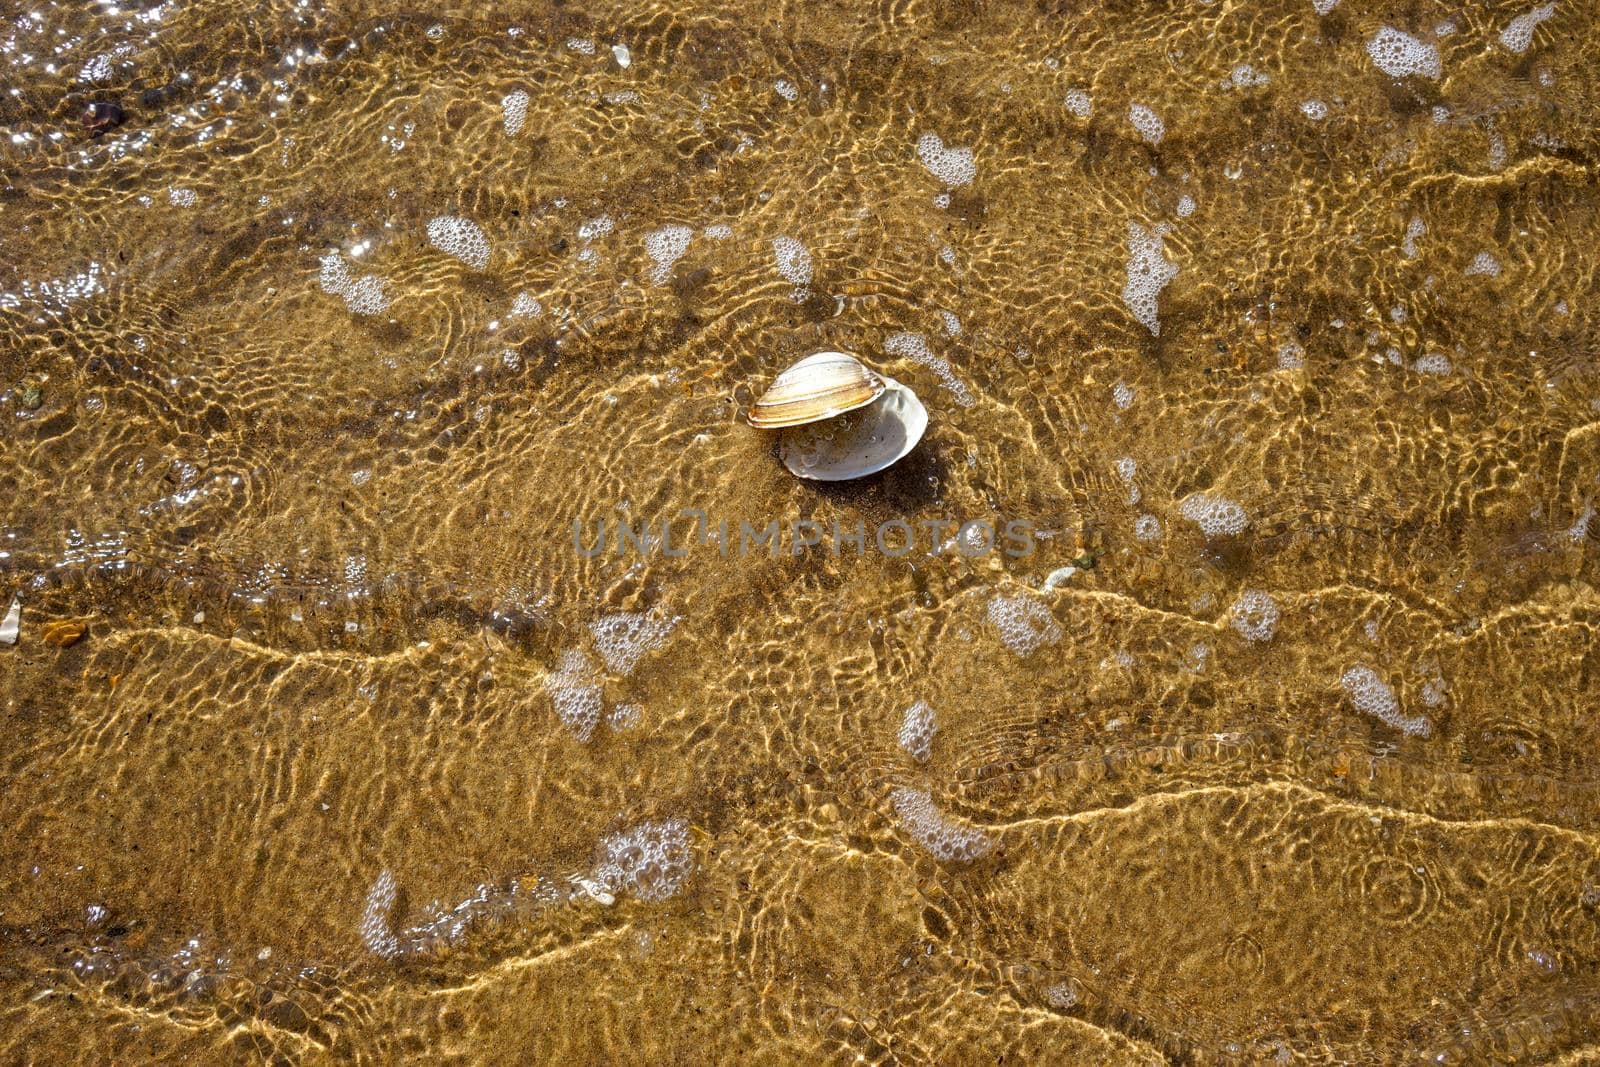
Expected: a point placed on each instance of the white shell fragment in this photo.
(859, 442)
(12, 626)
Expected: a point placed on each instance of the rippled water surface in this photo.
(1274, 320)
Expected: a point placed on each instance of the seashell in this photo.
(860, 442)
(821, 386)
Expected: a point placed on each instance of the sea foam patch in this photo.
(1148, 272)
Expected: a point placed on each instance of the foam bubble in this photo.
(948, 839)
(914, 346)
(1497, 152)
(460, 239)
(514, 111)
(576, 694)
(794, 263)
(1147, 122)
(180, 197)
(1185, 206)
(1244, 76)
(1217, 516)
(1122, 396)
(1127, 468)
(363, 296)
(1025, 625)
(917, 729)
(1078, 102)
(374, 928)
(1147, 528)
(1399, 54)
(1518, 33)
(1255, 616)
(1323, 7)
(624, 717)
(622, 639)
(1062, 996)
(666, 246)
(598, 226)
(1371, 695)
(1315, 110)
(1414, 229)
(952, 166)
(786, 89)
(581, 44)
(526, 306)
(952, 324)
(1291, 356)
(1435, 363)
(1149, 272)
(717, 231)
(652, 860)
(1484, 264)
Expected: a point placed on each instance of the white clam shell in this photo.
(858, 443)
(820, 386)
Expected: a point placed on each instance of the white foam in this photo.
(1078, 102)
(1484, 264)
(1217, 516)
(1400, 54)
(622, 639)
(917, 729)
(363, 296)
(665, 247)
(952, 166)
(1315, 110)
(1323, 7)
(1185, 206)
(1147, 122)
(1518, 33)
(1025, 625)
(1255, 616)
(1147, 528)
(514, 111)
(952, 324)
(949, 840)
(598, 226)
(1127, 468)
(794, 263)
(460, 239)
(1291, 356)
(652, 860)
(575, 692)
(180, 197)
(1414, 229)
(914, 346)
(624, 717)
(581, 44)
(1371, 695)
(786, 89)
(526, 306)
(374, 928)
(718, 231)
(1149, 272)
(1435, 363)
(1122, 396)
(1244, 76)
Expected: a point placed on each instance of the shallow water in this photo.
(310, 365)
